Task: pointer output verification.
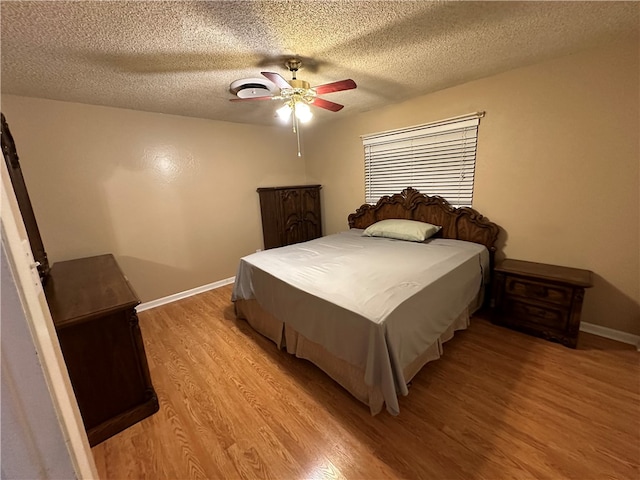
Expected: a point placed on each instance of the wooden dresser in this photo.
(290, 214)
(543, 300)
(93, 310)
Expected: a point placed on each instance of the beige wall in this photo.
(558, 166)
(173, 198)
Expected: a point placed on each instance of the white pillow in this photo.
(400, 229)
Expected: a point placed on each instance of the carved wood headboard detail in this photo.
(462, 223)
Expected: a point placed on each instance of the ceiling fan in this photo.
(296, 94)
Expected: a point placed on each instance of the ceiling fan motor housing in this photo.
(302, 84)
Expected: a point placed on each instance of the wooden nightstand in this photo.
(543, 300)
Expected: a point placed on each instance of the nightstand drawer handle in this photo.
(537, 290)
(539, 312)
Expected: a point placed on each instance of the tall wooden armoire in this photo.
(290, 214)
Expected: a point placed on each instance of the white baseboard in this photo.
(187, 293)
(610, 333)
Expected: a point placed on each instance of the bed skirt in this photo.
(348, 376)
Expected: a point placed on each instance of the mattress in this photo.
(376, 304)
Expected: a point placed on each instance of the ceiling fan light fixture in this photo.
(284, 112)
(303, 112)
(297, 95)
(298, 107)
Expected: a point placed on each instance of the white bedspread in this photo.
(377, 303)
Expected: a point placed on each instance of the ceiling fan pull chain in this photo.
(294, 120)
(296, 129)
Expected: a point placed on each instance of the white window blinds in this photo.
(436, 159)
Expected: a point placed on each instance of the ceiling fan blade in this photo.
(335, 86)
(267, 97)
(277, 79)
(326, 104)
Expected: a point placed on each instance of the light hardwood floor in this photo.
(498, 405)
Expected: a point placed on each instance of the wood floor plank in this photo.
(498, 404)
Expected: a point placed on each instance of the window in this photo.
(436, 158)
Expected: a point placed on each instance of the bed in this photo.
(372, 311)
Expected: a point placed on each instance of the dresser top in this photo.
(79, 289)
(572, 276)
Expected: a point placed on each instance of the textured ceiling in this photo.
(179, 57)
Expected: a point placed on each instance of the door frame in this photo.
(45, 340)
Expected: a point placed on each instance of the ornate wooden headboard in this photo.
(462, 223)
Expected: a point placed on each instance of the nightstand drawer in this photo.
(540, 291)
(547, 315)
